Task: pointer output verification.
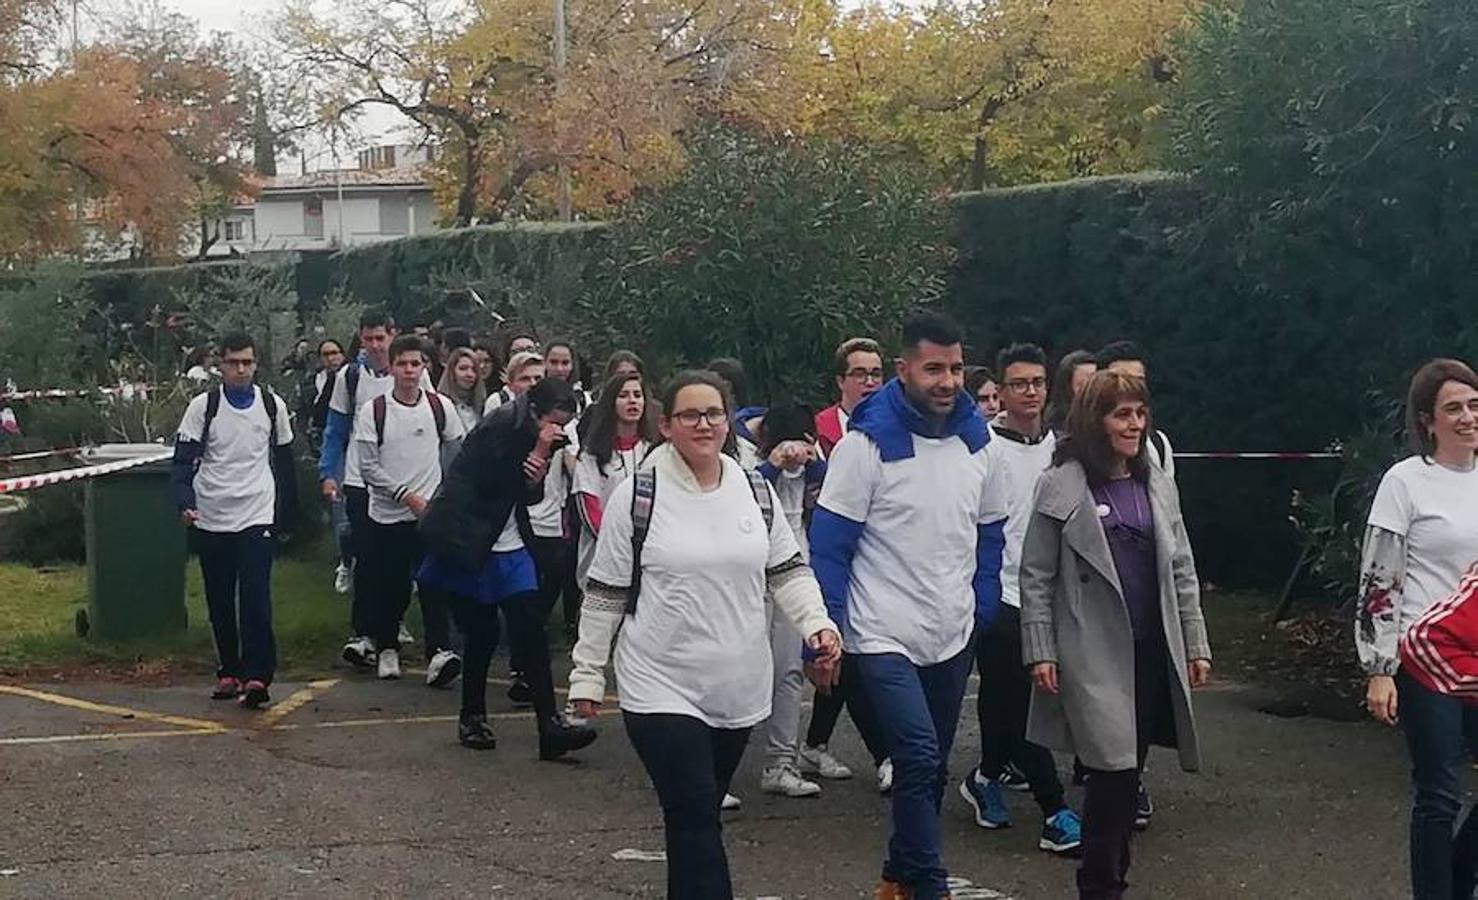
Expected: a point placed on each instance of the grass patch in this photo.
(39, 608)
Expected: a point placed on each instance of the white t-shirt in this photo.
(234, 489)
(1020, 464)
(410, 454)
(589, 479)
(1436, 510)
(699, 643)
(370, 386)
(911, 589)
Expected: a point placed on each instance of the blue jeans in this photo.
(918, 709)
(1441, 731)
(237, 570)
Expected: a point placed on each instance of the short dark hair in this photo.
(1020, 353)
(694, 377)
(454, 337)
(936, 328)
(790, 421)
(731, 370)
(1060, 395)
(237, 340)
(376, 318)
(1421, 399)
(552, 395)
(326, 341)
(854, 345)
(975, 379)
(623, 356)
(1119, 351)
(560, 342)
(408, 343)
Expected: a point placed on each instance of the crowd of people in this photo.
(1022, 522)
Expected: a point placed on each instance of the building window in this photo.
(235, 230)
(395, 215)
(313, 217)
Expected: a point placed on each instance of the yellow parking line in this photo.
(113, 736)
(295, 701)
(108, 710)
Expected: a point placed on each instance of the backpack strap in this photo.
(212, 409)
(351, 386)
(269, 403)
(379, 410)
(761, 490)
(643, 498)
(1158, 440)
(438, 412)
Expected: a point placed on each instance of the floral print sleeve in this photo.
(1382, 574)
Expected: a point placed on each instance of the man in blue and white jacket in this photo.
(906, 543)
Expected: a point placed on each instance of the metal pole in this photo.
(561, 54)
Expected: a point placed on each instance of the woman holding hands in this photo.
(689, 598)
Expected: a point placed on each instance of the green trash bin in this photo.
(135, 556)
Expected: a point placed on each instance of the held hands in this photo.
(1199, 672)
(330, 490)
(825, 670)
(415, 503)
(190, 516)
(1380, 698)
(587, 709)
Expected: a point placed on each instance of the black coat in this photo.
(485, 485)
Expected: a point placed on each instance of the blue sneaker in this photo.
(1063, 833)
(985, 797)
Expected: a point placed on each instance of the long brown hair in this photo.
(1421, 400)
(1087, 441)
(475, 396)
(598, 425)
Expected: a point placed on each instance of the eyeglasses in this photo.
(689, 418)
(1022, 385)
(865, 375)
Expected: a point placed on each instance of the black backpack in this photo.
(280, 463)
(438, 412)
(643, 501)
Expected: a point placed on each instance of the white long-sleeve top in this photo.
(698, 643)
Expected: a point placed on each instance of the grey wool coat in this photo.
(1073, 614)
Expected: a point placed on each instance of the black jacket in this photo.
(483, 486)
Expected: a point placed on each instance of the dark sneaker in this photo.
(1144, 808)
(359, 652)
(475, 732)
(227, 688)
(520, 693)
(443, 669)
(1012, 779)
(558, 737)
(987, 799)
(255, 695)
(1063, 833)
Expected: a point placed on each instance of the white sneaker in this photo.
(885, 777)
(572, 718)
(343, 579)
(389, 663)
(786, 781)
(443, 669)
(816, 761)
(404, 637)
(359, 652)
(731, 803)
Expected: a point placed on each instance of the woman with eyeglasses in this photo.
(693, 662)
(1421, 536)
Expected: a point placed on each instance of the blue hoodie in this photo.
(891, 421)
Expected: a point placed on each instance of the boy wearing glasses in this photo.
(232, 473)
(859, 374)
(1021, 450)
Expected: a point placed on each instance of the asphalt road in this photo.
(355, 788)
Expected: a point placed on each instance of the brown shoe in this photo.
(892, 890)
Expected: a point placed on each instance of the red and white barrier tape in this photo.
(127, 390)
(1236, 455)
(31, 482)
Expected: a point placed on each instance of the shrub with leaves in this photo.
(259, 300)
(45, 340)
(771, 251)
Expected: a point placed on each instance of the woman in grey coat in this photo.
(1111, 619)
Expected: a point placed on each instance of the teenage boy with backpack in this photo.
(233, 482)
(399, 437)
